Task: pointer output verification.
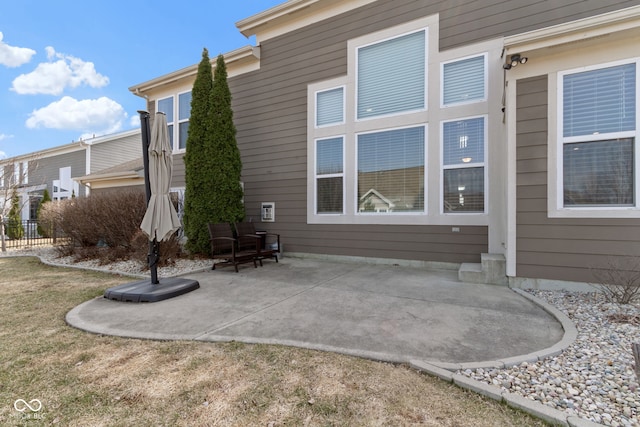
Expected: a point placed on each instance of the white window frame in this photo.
(430, 118)
(484, 55)
(483, 164)
(333, 175)
(174, 119)
(179, 121)
(557, 208)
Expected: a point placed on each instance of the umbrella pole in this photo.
(154, 249)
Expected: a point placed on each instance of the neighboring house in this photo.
(509, 128)
(56, 169)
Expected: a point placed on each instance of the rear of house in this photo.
(396, 131)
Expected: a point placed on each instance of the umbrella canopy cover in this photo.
(161, 219)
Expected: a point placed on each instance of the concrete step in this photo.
(491, 270)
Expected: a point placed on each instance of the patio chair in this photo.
(270, 242)
(230, 250)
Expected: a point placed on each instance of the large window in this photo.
(598, 133)
(391, 171)
(177, 111)
(330, 176)
(391, 143)
(391, 76)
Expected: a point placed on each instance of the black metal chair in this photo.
(269, 247)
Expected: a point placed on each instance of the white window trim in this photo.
(432, 114)
(557, 140)
(486, 81)
(484, 164)
(344, 106)
(176, 128)
(333, 175)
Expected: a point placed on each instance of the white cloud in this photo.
(5, 136)
(3, 155)
(90, 116)
(134, 121)
(52, 78)
(11, 56)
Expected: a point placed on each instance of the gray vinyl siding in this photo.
(113, 152)
(47, 169)
(556, 248)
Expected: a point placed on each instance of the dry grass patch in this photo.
(90, 380)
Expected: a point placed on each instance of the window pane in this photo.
(600, 101)
(464, 190)
(184, 106)
(184, 130)
(170, 130)
(463, 81)
(391, 171)
(329, 195)
(463, 141)
(391, 76)
(329, 156)
(599, 173)
(330, 107)
(166, 106)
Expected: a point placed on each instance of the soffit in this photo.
(612, 26)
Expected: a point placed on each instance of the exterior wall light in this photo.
(514, 60)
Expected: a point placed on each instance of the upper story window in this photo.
(464, 80)
(391, 76)
(178, 110)
(598, 135)
(330, 107)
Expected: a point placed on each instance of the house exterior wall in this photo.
(48, 169)
(271, 112)
(119, 149)
(554, 242)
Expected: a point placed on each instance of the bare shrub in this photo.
(105, 226)
(619, 280)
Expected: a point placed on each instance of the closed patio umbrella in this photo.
(161, 219)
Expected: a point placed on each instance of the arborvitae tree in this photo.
(212, 162)
(14, 229)
(198, 161)
(227, 168)
(44, 230)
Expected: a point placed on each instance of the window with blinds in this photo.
(463, 146)
(391, 76)
(390, 167)
(330, 176)
(599, 137)
(463, 81)
(330, 107)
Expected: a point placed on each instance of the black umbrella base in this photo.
(144, 291)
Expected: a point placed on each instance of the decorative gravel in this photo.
(180, 266)
(593, 379)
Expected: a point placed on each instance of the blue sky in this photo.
(66, 65)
